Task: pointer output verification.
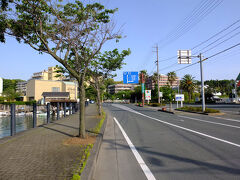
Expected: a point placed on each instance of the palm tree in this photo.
(188, 84)
(171, 78)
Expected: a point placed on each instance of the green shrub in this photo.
(155, 104)
(198, 109)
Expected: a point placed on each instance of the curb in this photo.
(90, 167)
(170, 112)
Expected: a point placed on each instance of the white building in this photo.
(1, 86)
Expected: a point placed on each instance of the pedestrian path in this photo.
(115, 160)
(40, 154)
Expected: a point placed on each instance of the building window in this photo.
(55, 89)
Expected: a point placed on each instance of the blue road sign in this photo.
(130, 77)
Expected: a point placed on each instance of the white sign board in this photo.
(160, 94)
(148, 94)
(179, 97)
(184, 57)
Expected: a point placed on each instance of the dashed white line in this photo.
(140, 161)
(228, 119)
(195, 119)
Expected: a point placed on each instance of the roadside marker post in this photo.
(13, 120)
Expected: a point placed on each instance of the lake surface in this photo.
(23, 122)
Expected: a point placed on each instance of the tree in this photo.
(102, 68)
(72, 33)
(10, 94)
(188, 84)
(171, 78)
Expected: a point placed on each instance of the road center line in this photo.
(140, 161)
(195, 119)
(180, 127)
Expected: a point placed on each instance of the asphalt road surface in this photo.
(182, 145)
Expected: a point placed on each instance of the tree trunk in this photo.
(190, 97)
(82, 131)
(99, 104)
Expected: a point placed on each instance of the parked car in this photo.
(91, 101)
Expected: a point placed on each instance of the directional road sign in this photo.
(130, 77)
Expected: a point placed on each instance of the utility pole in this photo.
(202, 83)
(157, 74)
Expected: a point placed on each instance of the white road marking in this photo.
(180, 127)
(140, 161)
(228, 119)
(228, 111)
(195, 119)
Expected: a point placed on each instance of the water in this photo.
(23, 122)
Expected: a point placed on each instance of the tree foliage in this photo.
(72, 33)
(102, 68)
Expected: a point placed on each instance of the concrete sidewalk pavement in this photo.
(115, 160)
(40, 154)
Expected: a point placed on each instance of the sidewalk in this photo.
(115, 160)
(40, 154)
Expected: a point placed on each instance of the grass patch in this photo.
(198, 109)
(99, 125)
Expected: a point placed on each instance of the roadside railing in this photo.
(16, 118)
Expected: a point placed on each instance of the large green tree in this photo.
(72, 33)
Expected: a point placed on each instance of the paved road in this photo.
(172, 146)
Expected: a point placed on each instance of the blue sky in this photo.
(146, 23)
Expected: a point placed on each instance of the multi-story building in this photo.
(115, 88)
(36, 88)
(49, 74)
(22, 87)
(163, 81)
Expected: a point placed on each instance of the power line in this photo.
(223, 51)
(219, 39)
(203, 12)
(215, 34)
(231, 25)
(222, 42)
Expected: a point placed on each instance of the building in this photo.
(55, 96)
(115, 88)
(49, 74)
(163, 81)
(21, 87)
(1, 86)
(36, 88)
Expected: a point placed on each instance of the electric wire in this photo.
(188, 26)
